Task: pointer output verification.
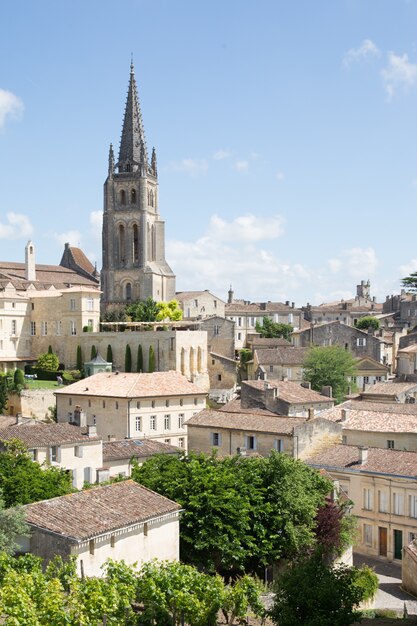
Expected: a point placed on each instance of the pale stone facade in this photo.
(134, 265)
(200, 304)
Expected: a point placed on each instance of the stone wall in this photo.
(32, 403)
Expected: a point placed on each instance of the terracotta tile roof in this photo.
(81, 260)
(381, 460)
(412, 348)
(389, 389)
(7, 420)
(186, 295)
(290, 391)
(92, 512)
(373, 420)
(256, 422)
(36, 434)
(130, 385)
(236, 308)
(264, 342)
(235, 406)
(400, 408)
(128, 448)
(281, 356)
(46, 275)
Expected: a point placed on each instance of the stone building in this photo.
(134, 265)
(281, 363)
(121, 521)
(200, 304)
(284, 398)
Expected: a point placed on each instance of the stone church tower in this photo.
(134, 265)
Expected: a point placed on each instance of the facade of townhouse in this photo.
(78, 450)
(369, 372)
(383, 487)
(246, 314)
(120, 455)
(407, 362)
(281, 363)
(133, 406)
(200, 304)
(121, 521)
(284, 398)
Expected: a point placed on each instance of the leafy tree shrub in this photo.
(139, 365)
(271, 329)
(368, 321)
(128, 359)
(151, 367)
(3, 394)
(12, 525)
(48, 362)
(329, 365)
(313, 594)
(169, 311)
(109, 356)
(19, 378)
(410, 282)
(146, 311)
(336, 528)
(50, 351)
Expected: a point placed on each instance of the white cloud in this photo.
(18, 227)
(221, 154)
(335, 265)
(398, 73)
(96, 223)
(280, 175)
(361, 262)
(246, 228)
(242, 166)
(190, 166)
(73, 237)
(366, 50)
(10, 106)
(408, 268)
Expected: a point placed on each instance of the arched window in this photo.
(135, 243)
(128, 292)
(151, 198)
(121, 244)
(127, 168)
(133, 196)
(122, 196)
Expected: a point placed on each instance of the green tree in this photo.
(93, 353)
(50, 351)
(3, 394)
(271, 329)
(18, 378)
(311, 593)
(139, 365)
(79, 359)
(329, 365)
(144, 311)
(169, 311)
(240, 514)
(410, 282)
(368, 321)
(109, 356)
(128, 359)
(49, 362)
(116, 315)
(12, 526)
(151, 359)
(23, 481)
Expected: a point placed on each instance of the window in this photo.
(44, 329)
(89, 403)
(213, 362)
(138, 423)
(279, 445)
(361, 342)
(366, 379)
(112, 541)
(58, 327)
(239, 336)
(33, 306)
(252, 321)
(181, 402)
(398, 503)
(167, 422)
(117, 405)
(271, 368)
(70, 401)
(289, 373)
(33, 454)
(133, 196)
(239, 321)
(104, 404)
(216, 329)
(215, 439)
(171, 343)
(367, 499)
(250, 442)
(153, 404)
(167, 441)
(390, 443)
(412, 537)
(180, 442)
(219, 377)
(53, 454)
(382, 502)
(78, 451)
(344, 439)
(122, 196)
(91, 546)
(72, 304)
(152, 422)
(14, 327)
(413, 506)
(33, 328)
(145, 529)
(166, 402)
(73, 328)
(195, 302)
(195, 401)
(367, 534)
(181, 420)
(90, 304)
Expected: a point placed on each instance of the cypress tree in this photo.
(19, 377)
(3, 393)
(79, 358)
(128, 359)
(151, 359)
(139, 367)
(109, 354)
(93, 352)
(50, 351)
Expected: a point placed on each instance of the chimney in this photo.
(287, 303)
(111, 438)
(30, 267)
(363, 454)
(285, 379)
(266, 385)
(91, 430)
(327, 391)
(335, 491)
(292, 305)
(306, 384)
(344, 415)
(19, 418)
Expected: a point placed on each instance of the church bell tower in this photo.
(134, 265)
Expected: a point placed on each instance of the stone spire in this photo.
(111, 161)
(133, 143)
(154, 168)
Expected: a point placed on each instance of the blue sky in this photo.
(286, 135)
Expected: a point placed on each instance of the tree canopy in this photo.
(151, 311)
(368, 321)
(329, 365)
(410, 282)
(23, 481)
(240, 514)
(271, 329)
(12, 526)
(49, 362)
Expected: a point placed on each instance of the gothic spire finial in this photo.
(133, 143)
(111, 160)
(154, 168)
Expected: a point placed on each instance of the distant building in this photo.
(284, 398)
(121, 521)
(281, 363)
(118, 456)
(200, 304)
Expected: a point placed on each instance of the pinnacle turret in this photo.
(111, 160)
(154, 168)
(133, 152)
